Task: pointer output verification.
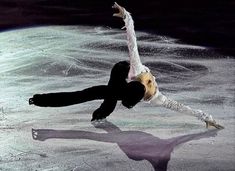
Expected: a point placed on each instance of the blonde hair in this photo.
(148, 80)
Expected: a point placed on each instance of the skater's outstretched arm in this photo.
(162, 100)
(136, 67)
(138, 71)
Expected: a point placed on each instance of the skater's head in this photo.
(133, 94)
(148, 80)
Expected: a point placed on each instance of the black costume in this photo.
(117, 89)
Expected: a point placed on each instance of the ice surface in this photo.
(69, 58)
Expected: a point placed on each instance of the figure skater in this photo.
(130, 82)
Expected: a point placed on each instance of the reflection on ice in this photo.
(137, 145)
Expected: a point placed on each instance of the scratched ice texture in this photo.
(69, 58)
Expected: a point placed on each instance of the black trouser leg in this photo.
(70, 98)
(110, 93)
(117, 83)
(105, 109)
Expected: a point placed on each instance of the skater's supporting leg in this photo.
(117, 83)
(105, 109)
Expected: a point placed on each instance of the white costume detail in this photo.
(162, 100)
(136, 67)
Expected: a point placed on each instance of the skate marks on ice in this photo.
(137, 145)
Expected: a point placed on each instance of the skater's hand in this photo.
(214, 124)
(121, 10)
(207, 119)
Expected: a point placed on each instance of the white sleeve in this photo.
(162, 100)
(136, 67)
